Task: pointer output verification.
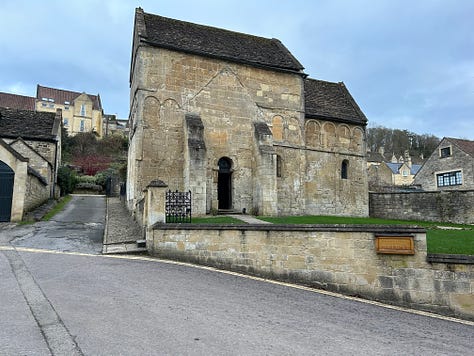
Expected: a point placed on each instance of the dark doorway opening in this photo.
(224, 183)
(7, 177)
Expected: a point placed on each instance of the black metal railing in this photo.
(178, 207)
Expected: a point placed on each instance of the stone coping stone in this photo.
(448, 258)
(384, 229)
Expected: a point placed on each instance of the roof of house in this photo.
(14, 101)
(62, 96)
(465, 145)
(214, 42)
(395, 167)
(375, 157)
(331, 101)
(28, 124)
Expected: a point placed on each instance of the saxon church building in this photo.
(234, 119)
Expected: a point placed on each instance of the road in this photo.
(61, 301)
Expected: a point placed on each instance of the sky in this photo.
(408, 64)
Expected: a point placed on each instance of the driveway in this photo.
(63, 301)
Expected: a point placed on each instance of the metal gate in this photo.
(178, 207)
(7, 177)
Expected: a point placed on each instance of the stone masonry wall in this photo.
(444, 206)
(36, 193)
(341, 259)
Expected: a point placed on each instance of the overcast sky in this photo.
(408, 64)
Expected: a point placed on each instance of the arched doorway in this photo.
(7, 177)
(224, 183)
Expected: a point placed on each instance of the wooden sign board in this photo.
(394, 245)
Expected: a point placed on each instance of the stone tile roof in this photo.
(331, 101)
(214, 42)
(465, 145)
(60, 96)
(395, 167)
(28, 124)
(15, 101)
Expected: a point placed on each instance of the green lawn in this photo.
(438, 240)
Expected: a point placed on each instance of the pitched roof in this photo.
(214, 42)
(28, 124)
(465, 145)
(61, 96)
(15, 101)
(331, 101)
(395, 167)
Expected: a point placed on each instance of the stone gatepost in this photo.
(265, 187)
(195, 162)
(155, 203)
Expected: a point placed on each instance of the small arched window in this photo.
(278, 166)
(344, 169)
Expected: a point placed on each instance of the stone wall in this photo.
(340, 259)
(444, 206)
(37, 193)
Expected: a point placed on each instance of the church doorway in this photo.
(224, 183)
(7, 177)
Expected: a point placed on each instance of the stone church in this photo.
(234, 119)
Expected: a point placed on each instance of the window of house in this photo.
(449, 178)
(82, 126)
(278, 167)
(405, 173)
(344, 169)
(445, 152)
(83, 110)
(66, 122)
(66, 108)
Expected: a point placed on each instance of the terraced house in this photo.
(234, 119)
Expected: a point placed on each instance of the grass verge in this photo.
(57, 208)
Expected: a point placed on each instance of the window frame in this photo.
(443, 150)
(345, 169)
(449, 179)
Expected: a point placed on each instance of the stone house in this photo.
(450, 166)
(30, 153)
(388, 174)
(81, 112)
(234, 119)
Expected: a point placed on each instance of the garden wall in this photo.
(336, 258)
(443, 206)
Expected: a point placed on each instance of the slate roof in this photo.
(465, 145)
(395, 167)
(60, 96)
(28, 124)
(331, 101)
(214, 42)
(14, 101)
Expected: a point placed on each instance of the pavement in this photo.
(122, 233)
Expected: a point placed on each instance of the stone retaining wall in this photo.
(445, 206)
(336, 258)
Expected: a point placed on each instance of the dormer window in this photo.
(445, 152)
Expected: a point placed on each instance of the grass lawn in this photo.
(438, 240)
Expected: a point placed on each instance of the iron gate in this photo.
(178, 207)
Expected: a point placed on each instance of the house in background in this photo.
(233, 118)
(384, 174)
(30, 154)
(81, 112)
(450, 166)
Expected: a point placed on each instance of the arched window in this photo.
(278, 166)
(344, 169)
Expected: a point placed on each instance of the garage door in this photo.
(6, 191)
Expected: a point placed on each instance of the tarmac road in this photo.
(58, 302)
